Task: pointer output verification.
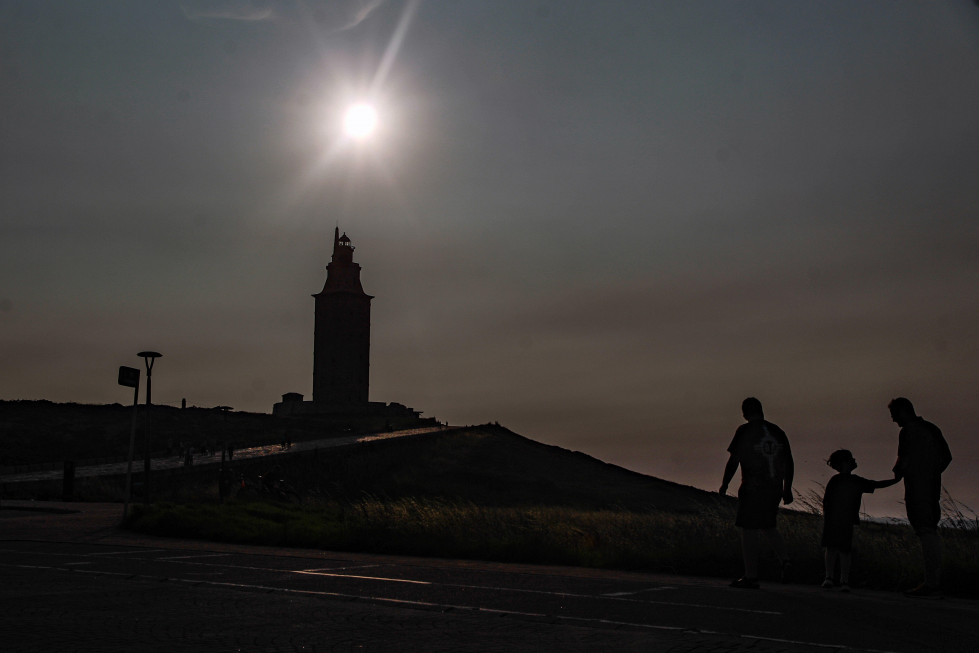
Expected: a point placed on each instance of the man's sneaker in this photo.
(924, 592)
(745, 584)
(828, 584)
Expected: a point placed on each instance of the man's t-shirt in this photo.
(922, 451)
(763, 451)
(841, 502)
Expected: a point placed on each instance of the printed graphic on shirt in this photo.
(769, 449)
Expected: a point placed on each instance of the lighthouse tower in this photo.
(342, 334)
(341, 357)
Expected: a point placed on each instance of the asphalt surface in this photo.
(73, 581)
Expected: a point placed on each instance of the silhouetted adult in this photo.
(762, 451)
(922, 456)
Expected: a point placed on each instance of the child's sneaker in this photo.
(828, 584)
(845, 587)
(745, 584)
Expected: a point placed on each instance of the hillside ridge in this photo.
(487, 464)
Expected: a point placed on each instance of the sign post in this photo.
(148, 357)
(129, 377)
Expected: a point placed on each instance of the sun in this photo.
(360, 121)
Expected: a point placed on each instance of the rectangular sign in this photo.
(128, 376)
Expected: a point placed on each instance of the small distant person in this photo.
(841, 511)
(762, 451)
(922, 456)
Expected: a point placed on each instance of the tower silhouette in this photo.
(342, 334)
(341, 357)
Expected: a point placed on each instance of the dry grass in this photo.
(704, 543)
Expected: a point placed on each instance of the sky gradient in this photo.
(602, 224)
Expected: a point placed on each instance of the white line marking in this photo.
(633, 625)
(385, 580)
(649, 589)
(572, 595)
(72, 564)
(794, 641)
(121, 553)
(328, 569)
(199, 555)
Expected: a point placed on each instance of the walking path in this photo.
(174, 462)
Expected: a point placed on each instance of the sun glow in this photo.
(360, 121)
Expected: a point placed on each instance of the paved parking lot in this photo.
(73, 581)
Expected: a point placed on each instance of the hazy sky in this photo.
(602, 224)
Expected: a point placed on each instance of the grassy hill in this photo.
(485, 465)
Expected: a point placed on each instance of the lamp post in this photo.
(148, 358)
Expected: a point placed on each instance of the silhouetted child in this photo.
(841, 510)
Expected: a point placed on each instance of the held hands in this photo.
(787, 497)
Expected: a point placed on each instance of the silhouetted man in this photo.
(922, 456)
(762, 451)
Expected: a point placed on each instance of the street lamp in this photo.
(148, 358)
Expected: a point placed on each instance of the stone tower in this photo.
(342, 334)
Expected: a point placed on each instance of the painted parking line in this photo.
(835, 647)
(445, 607)
(330, 569)
(378, 578)
(127, 552)
(642, 591)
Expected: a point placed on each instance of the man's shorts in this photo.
(922, 498)
(758, 505)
